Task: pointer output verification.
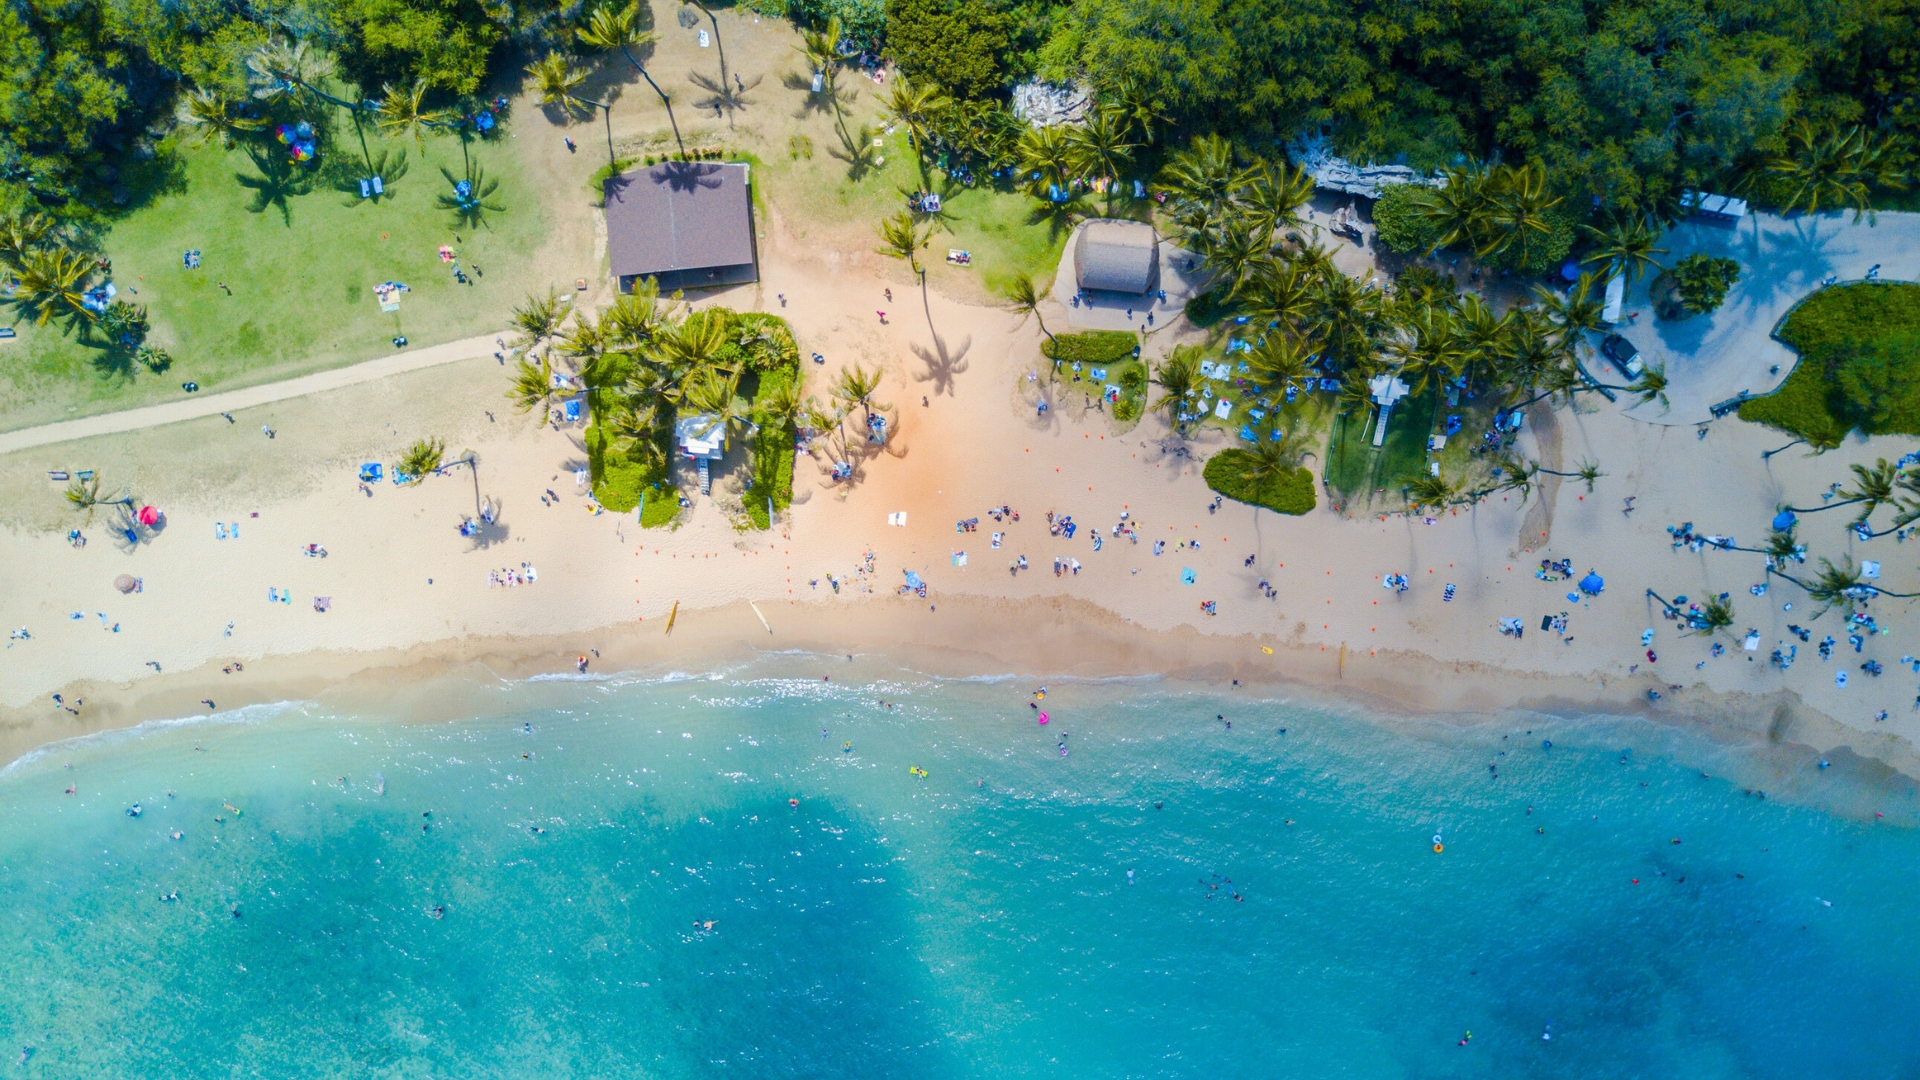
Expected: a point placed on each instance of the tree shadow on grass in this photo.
(281, 179)
(344, 176)
(858, 152)
(1059, 217)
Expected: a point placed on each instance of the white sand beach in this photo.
(407, 590)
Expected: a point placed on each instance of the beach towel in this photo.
(913, 580)
(1187, 576)
(219, 531)
(959, 558)
(898, 518)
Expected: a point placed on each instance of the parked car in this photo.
(1623, 354)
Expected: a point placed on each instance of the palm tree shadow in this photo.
(281, 178)
(1059, 217)
(859, 153)
(729, 99)
(471, 199)
(815, 101)
(390, 166)
(942, 363)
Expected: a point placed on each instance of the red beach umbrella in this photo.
(149, 516)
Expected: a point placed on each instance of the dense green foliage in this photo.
(1631, 101)
(85, 86)
(1859, 365)
(1701, 281)
(959, 45)
(1288, 491)
(1401, 225)
(1091, 347)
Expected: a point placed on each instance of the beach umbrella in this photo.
(149, 516)
(125, 583)
(1784, 520)
(1592, 584)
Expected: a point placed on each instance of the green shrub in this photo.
(1092, 347)
(773, 457)
(620, 479)
(1877, 383)
(1284, 492)
(1126, 410)
(1702, 281)
(1134, 378)
(1399, 223)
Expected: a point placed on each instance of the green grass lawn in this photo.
(301, 265)
(999, 228)
(1355, 466)
(1831, 331)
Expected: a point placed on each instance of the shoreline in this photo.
(1054, 638)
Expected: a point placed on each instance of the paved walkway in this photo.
(195, 406)
(1711, 358)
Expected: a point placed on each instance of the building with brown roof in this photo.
(688, 224)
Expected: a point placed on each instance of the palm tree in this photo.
(1100, 149)
(902, 240)
(422, 457)
(1279, 294)
(1280, 359)
(1840, 584)
(84, 496)
(1179, 376)
(1274, 194)
(280, 67)
(855, 385)
(1024, 299)
(1587, 471)
(1574, 312)
(1832, 166)
(914, 107)
(617, 26)
(781, 404)
(21, 233)
(1650, 385)
(215, 116)
(1428, 348)
(1045, 163)
(822, 50)
(1515, 474)
(716, 396)
(1483, 334)
(1265, 458)
(536, 321)
(1456, 208)
(1235, 253)
(1872, 486)
(1346, 316)
(1141, 111)
(1432, 489)
(54, 280)
(693, 344)
(532, 385)
(1626, 243)
(1202, 175)
(406, 111)
(556, 78)
(1516, 214)
(1715, 615)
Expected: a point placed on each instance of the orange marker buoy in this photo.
(1438, 848)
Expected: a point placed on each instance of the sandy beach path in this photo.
(196, 406)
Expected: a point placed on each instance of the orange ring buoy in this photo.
(1438, 848)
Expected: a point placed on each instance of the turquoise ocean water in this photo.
(521, 888)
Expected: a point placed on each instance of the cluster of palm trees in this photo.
(50, 275)
(1500, 212)
(643, 361)
(1829, 166)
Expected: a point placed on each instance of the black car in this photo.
(1623, 354)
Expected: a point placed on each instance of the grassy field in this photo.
(1859, 366)
(300, 258)
(1355, 466)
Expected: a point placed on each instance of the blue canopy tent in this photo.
(1592, 584)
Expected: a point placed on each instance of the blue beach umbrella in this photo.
(1592, 584)
(1784, 520)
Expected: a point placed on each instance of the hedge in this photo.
(1092, 347)
(1399, 224)
(1283, 492)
